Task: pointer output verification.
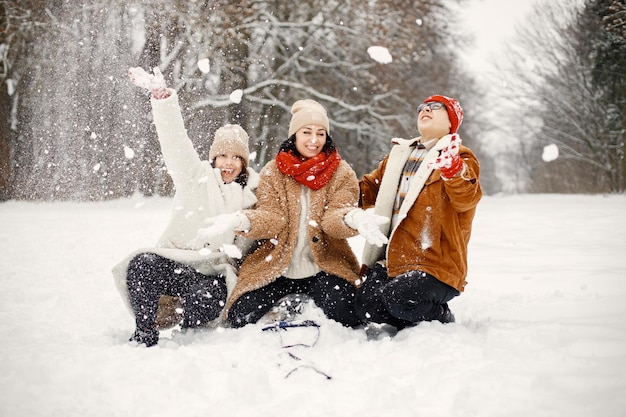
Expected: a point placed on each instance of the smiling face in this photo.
(433, 124)
(310, 140)
(230, 166)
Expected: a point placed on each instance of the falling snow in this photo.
(232, 251)
(550, 153)
(204, 65)
(128, 152)
(380, 54)
(236, 96)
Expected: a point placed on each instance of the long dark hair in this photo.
(289, 145)
(242, 178)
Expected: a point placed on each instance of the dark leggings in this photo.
(150, 276)
(404, 300)
(334, 295)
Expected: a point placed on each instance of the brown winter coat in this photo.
(275, 219)
(434, 233)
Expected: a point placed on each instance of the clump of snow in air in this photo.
(204, 65)
(232, 251)
(550, 152)
(10, 86)
(236, 96)
(128, 152)
(379, 54)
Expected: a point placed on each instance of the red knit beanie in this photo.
(455, 112)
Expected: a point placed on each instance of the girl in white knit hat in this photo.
(194, 268)
(304, 195)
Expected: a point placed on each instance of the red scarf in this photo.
(314, 172)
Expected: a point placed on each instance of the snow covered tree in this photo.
(609, 76)
(568, 91)
(74, 123)
(86, 134)
(21, 22)
(278, 52)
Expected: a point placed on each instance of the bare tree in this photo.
(21, 22)
(86, 134)
(76, 132)
(558, 101)
(278, 52)
(609, 75)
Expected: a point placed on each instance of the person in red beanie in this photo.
(428, 187)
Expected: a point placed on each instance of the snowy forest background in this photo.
(73, 128)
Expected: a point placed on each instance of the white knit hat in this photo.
(230, 138)
(307, 112)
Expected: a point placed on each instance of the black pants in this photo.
(404, 300)
(150, 276)
(334, 295)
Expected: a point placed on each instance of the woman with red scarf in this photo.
(303, 197)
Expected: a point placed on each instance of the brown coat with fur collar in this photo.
(434, 232)
(274, 221)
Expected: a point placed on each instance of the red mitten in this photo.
(154, 83)
(449, 162)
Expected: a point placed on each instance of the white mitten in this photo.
(153, 83)
(367, 223)
(220, 225)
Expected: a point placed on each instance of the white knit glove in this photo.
(220, 234)
(368, 224)
(220, 225)
(153, 83)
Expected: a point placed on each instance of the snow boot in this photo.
(446, 315)
(379, 331)
(148, 338)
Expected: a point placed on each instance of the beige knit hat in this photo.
(307, 112)
(230, 138)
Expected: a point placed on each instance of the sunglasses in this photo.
(433, 105)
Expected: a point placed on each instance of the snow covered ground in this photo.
(540, 329)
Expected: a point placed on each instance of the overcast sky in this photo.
(492, 22)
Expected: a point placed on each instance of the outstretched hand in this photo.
(153, 83)
(367, 223)
(219, 235)
(449, 162)
(219, 225)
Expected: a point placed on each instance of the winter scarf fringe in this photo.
(314, 172)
